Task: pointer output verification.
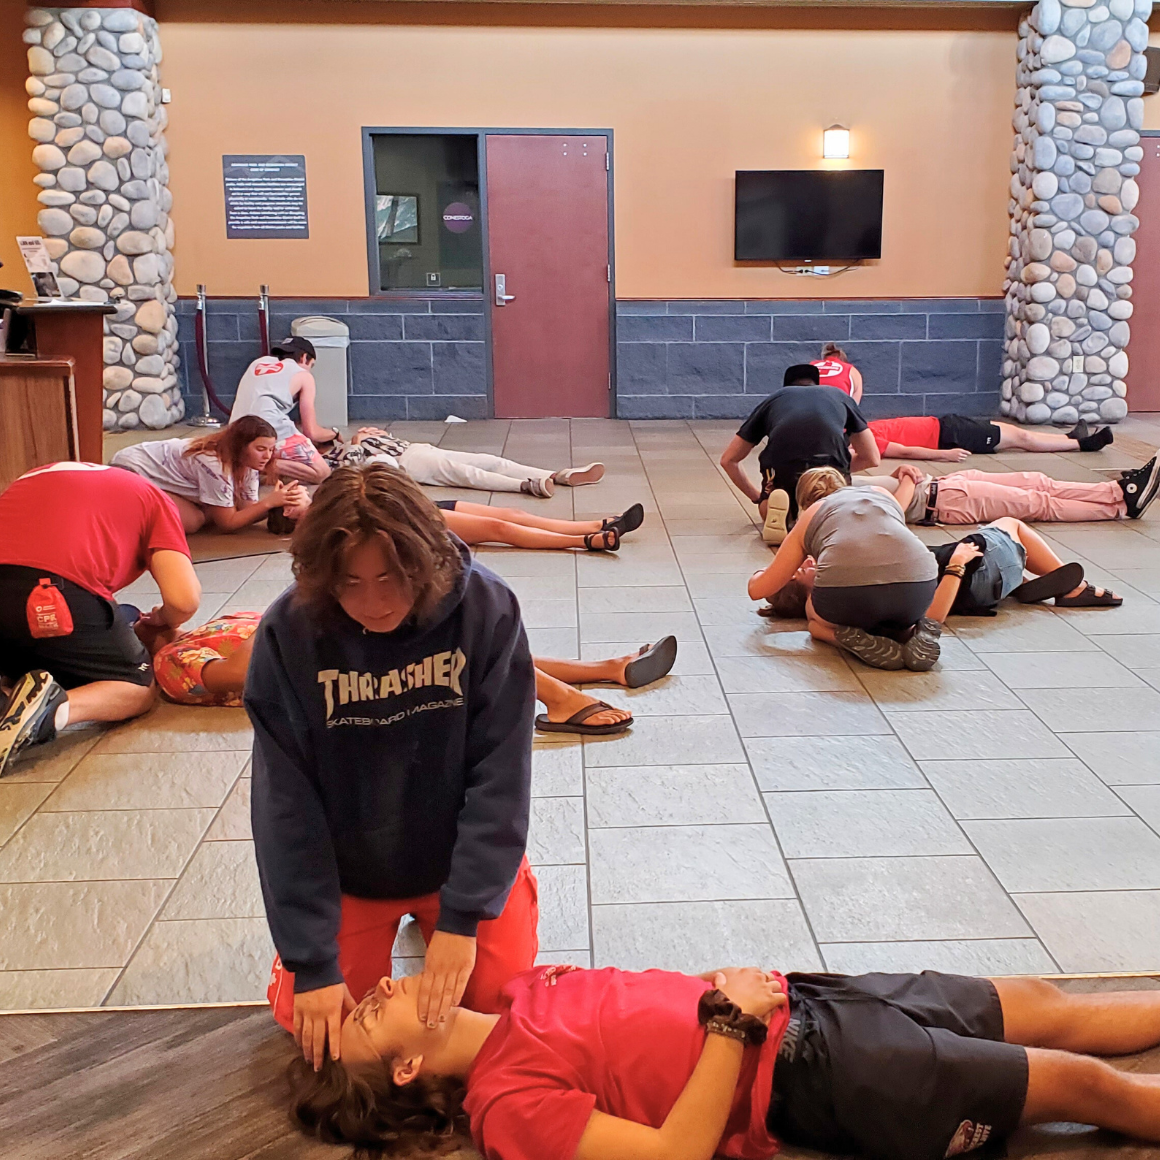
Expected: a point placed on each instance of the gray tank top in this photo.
(859, 536)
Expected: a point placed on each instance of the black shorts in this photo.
(786, 476)
(101, 647)
(978, 436)
(880, 608)
(446, 505)
(896, 1067)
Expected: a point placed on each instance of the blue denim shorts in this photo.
(1001, 570)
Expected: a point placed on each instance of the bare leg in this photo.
(473, 529)
(192, 517)
(527, 520)
(562, 701)
(585, 672)
(1012, 438)
(1040, 558)
(228, 675)
(820, 629)
(109, 701)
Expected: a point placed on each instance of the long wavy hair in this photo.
(229, 445)
(376, 503)
(366, 1109)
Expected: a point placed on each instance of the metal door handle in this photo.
(501, 297)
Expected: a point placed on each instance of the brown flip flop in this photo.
(575, 723)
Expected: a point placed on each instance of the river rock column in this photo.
(99, 122)
(1077, 152)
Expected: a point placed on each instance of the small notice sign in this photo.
(265, 195)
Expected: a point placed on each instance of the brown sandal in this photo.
(575, 723)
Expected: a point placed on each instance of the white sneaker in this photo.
(776, 515)
(577, 476)
(543, 488)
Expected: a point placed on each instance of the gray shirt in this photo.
(858, 536)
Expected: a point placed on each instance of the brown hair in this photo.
(229, 444)
(833, 350)
(364, 1107)
(376, 503)
(817, 483)
(788, 602)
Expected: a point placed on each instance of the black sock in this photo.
(1096, 440)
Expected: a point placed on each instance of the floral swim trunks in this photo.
(177, 667)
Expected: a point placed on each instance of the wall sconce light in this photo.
(836, 143)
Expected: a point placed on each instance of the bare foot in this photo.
(1078, 590)
(574, 700)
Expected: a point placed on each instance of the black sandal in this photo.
(604, 545)
(575, 723)
(1057, 583)
(627, 521)
(1090, 598)
(651, 663)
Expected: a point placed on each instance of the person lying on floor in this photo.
(873, 578)
(213, 480)
(72, 534)
(618, 1065)
(952, 438)
(477, 523)
(207, 666)
(975, 497)
(439, 466)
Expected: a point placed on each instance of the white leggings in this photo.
(436, 465)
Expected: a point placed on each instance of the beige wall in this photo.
(18, 204)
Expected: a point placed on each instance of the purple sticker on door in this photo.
(458, 217)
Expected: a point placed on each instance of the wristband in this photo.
(718, 1009)
(955, 570)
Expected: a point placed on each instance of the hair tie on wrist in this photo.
(716, 1008)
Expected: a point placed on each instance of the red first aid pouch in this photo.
(48, 612)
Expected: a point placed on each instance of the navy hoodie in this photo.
(389, 765)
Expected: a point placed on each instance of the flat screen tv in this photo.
(808, 215)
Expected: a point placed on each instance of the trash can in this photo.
(330, 338)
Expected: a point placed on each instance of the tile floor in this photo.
(773, 803)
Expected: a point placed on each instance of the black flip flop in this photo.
(575, 723)
(627, 521)
(1089, 598)
(1057, 583)
(651, 663)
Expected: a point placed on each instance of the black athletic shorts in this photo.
(978, 436)
(896, 1067)
(446, 505)
(101, 647)
(786, 476)
(878, 608)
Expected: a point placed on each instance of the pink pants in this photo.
(977, 497)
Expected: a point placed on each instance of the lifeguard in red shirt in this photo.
(951, 438)
(619, 1065)
(836, 370)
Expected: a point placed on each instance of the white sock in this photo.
(61, 719)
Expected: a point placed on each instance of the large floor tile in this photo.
(1134, 651)
(178, 728)
(686, 864)
(668, 697)
(863, 824)
(1145, 800)
(688, 740)
(1021, 629)
(1070, 853)
(598, 627)
(53, 761)
(18, 802)
(563, 908)
(821, 672)
(1104, 930)
(557, 767)
(71, 925)
(1057, 670)
(805, 763)
(554, 643)
(549, 613)
(1028, 788)
(1096, 710)
(556, 832)
(37, 990)
(96, 845)
(937, 690)
(698, 936)
(679, 795)
(985, 956)
(829, 714)
(889, 899)
(634, 599)
(975, 735)
(233, 820)
(214, 960)
(1119, 758)
(765, 638)
(148, 781)
(693, 658)
(1135, 615)
(221, 881)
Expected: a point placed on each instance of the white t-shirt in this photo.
(264, 390)
(199, 478)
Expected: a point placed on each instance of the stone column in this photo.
(97, 115)
(1077, 153)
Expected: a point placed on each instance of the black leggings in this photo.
(878, 608)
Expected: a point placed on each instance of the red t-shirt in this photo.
(833, 372)
(96, 526)
(571, 1042)
(912, 431)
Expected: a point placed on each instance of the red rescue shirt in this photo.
(912, 431)
(96, 526)
(570, 1042)
(833, 372)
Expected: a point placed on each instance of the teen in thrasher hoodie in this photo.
(391, 692)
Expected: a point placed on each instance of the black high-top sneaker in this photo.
(1140, 487)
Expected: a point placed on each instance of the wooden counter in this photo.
(38, 418)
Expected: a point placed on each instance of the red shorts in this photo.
(296, 448)
(504, 946)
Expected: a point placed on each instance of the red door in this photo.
(547, 220)
(1144, 348)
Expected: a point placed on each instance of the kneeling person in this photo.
(391, 692)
